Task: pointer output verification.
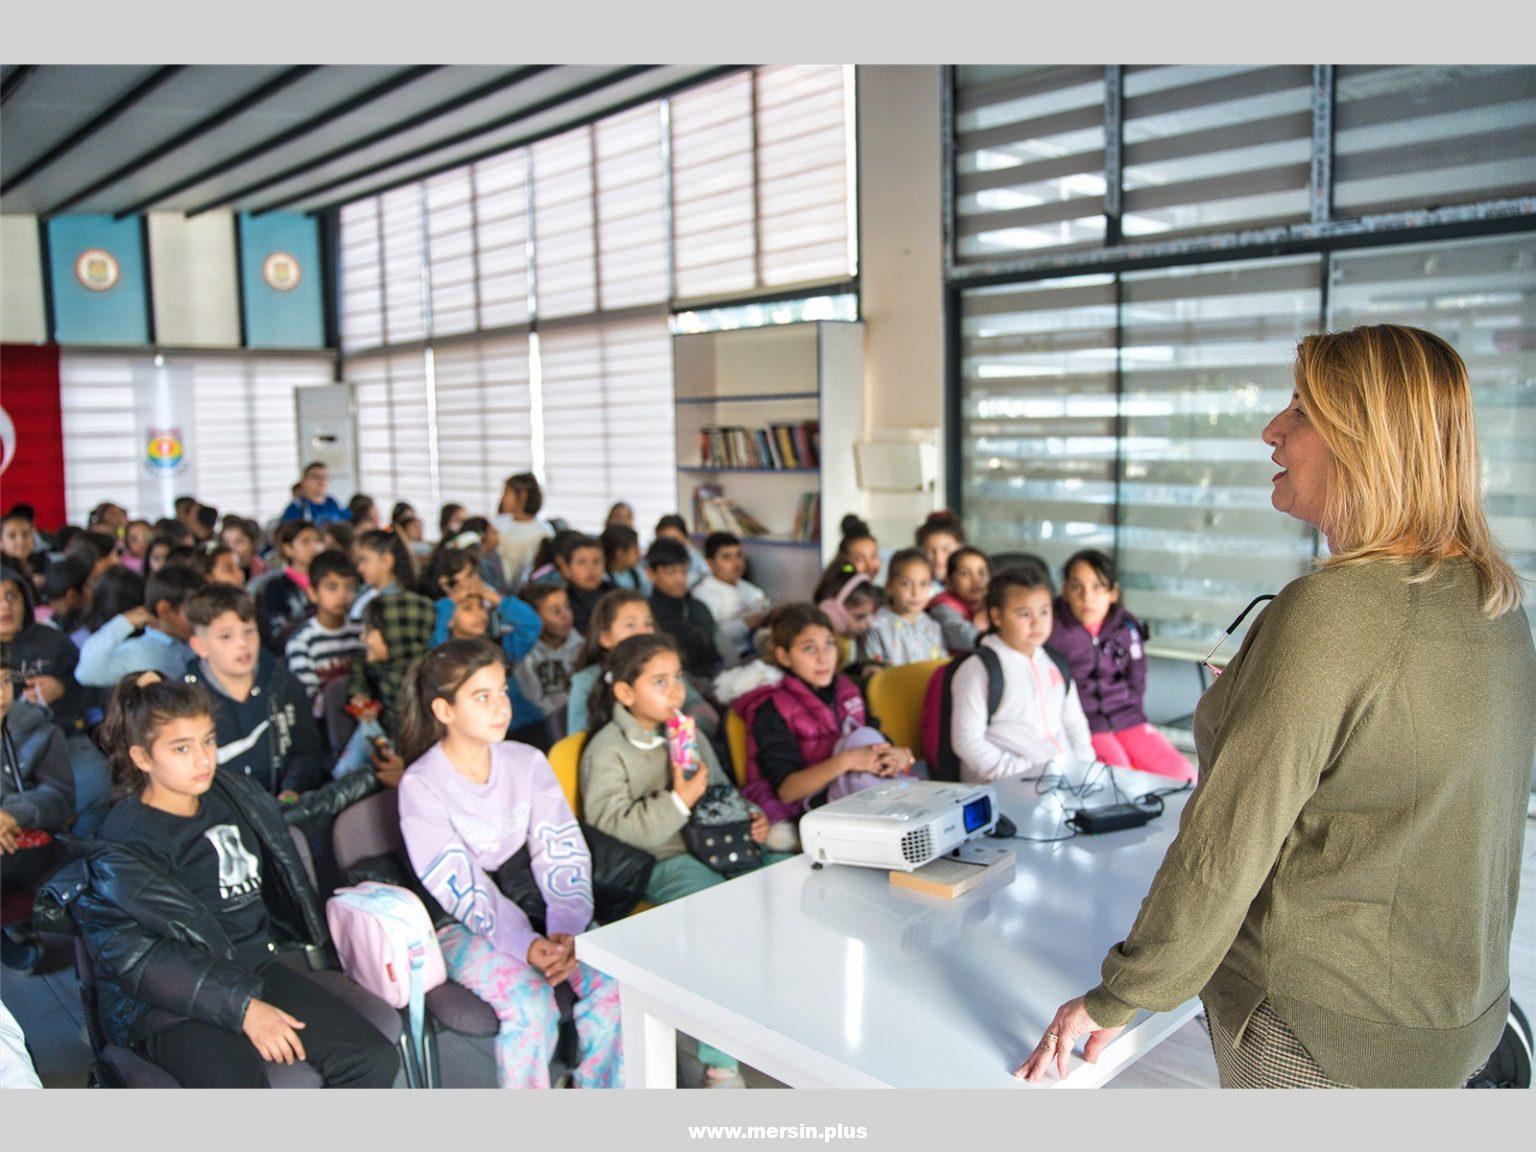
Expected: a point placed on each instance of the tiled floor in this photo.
(47, 1006)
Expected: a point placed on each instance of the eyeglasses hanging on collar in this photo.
(1231, 628)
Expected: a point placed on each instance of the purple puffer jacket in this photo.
(1110, 670)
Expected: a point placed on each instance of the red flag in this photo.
(32, 431)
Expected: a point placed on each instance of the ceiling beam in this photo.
(262, 92)
(498, 149)
(15, 80)
(286, 136)
(97, 122)
(426, 115)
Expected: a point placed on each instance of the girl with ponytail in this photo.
(469, 802)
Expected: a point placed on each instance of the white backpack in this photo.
(386, 943)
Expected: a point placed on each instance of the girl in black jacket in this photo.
(182, 900)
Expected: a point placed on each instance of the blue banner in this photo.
(280, 274)
(96, 268)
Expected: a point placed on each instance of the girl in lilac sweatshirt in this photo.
(468, 803)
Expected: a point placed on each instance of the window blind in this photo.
(401, 230)
(394, 454)
(631, 210)
(1479, 295)
(362, 299)
(1029, 159)
(803, 163)
(102, 453)
(1206, 358)
(247, 432)
(501, 238)
(713, 199)
(1038, 418)
(451, 252)
(484, 429)
(1427, 136)
(608, 419)
(564, 246)
(1215, 148)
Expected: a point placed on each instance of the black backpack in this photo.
(946, 765)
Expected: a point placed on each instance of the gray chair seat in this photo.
(458, 1009)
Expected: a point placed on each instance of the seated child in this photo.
(859, 547)
(1102, 643)
(641, 787)
(961, 609)
(220, 565)
(397, 628)
(285, 598)
(37, 795)
(618, 616)
(173, 908)
(468, 802)
(1039, 721)
(150, 636)
(69, 600)
(850, 601)
(579, 560)
(939, 537)
(492, 569)
(136, 540)
(810, 730)
(324, 646)
(677, 613)
(738, 606)
(621, 556)
(384, 563)
(674, 527)
(902, 632)
(265, 724)
(544, 675)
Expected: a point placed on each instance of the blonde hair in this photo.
(1394, 407)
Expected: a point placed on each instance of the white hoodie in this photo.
(1038, 719)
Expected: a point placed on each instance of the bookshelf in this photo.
(767, 417)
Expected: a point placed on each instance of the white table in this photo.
(833, 978)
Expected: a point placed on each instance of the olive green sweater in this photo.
(1352, 850)
(626, 785)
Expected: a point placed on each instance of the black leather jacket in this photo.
(160, 954)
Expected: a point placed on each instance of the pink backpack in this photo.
(386, 943)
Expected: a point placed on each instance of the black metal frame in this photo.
(97, 122)
(1322, 235)
(15, 80)
(186, 136)
(286, 136)
(442, 108)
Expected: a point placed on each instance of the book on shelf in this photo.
(713, 511)
(777, 447)
(807, 527)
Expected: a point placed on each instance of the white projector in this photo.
(902, 824)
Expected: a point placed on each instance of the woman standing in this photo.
(1342, 890)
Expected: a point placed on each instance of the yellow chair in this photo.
(565, 759)
(736, 737)
(895, 698)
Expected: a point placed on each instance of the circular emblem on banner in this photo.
(97, 269)
(7, 440)
(281, 272)
(163, 449)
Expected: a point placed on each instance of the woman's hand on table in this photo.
(1070, 1022)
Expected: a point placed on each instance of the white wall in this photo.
(901, 273)
(197, 304)
(22, 316)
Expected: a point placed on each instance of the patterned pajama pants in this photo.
(530, 1018)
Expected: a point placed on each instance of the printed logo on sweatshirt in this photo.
(451, 878)
(567, 854)
(239, 869)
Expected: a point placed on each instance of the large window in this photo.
(1126, 328)
(514, 314)
(240, 417)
